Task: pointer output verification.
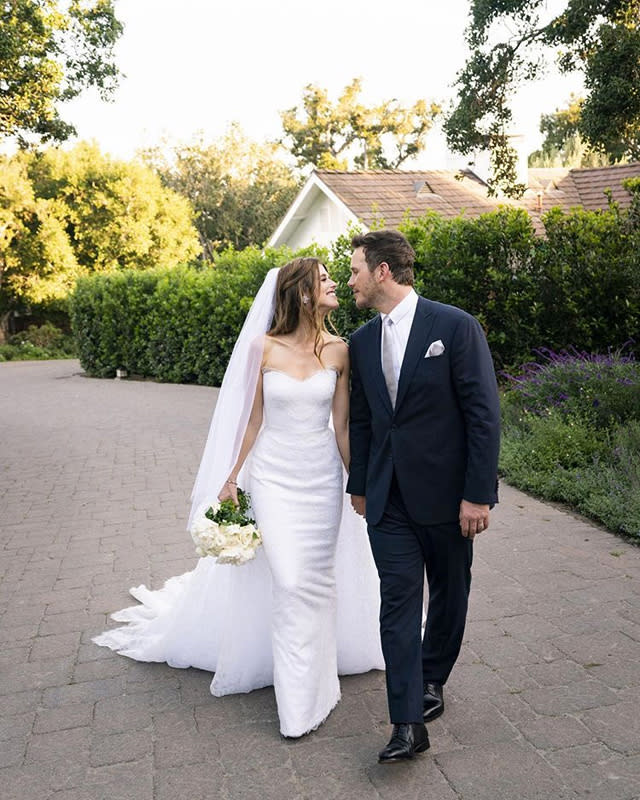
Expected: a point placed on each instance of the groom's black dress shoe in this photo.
(406, 740)
(432, 701)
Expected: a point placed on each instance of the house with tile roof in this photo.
(330, 200)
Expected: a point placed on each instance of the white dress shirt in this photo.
(402, 317)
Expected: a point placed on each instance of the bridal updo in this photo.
(297, 292)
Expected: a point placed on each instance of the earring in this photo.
(305, 299)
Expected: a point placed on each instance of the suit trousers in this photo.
(403, 551)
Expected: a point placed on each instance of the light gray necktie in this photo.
(388, 369)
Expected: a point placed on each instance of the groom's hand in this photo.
(474, 518)
(359, 504)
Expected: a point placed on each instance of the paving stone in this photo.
(475, 681)
(12, 752)
(557, 673)
(83, 692)
(17, 726)
(113, 748)
(193, 782)
(78, 715)
(21, 782)
(618, 726)
(554, 733)
(128, 781)
(37, 675)
(95, 670)
(505, 652)
(56, 646)
(578, 696)
(472, 773)
(122, 713)
(546, 711)
(476, 722)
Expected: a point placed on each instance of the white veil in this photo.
(235, 399)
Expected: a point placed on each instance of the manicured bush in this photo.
(571, 433)
(177, 325)
(38, 342)
(579, 284)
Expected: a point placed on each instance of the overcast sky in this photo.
(198, 65)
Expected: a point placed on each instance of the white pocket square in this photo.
(435, 349)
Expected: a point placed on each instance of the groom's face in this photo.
(362, 282)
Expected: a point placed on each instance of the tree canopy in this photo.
(49, 52)
(563, 145)
(67, 214)
(325, 134)
(239, 189)
(600, 38)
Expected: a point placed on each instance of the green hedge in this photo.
(177, 325)
(577, 286)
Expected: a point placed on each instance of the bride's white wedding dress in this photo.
(306, 608)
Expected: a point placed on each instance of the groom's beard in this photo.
(369, 300)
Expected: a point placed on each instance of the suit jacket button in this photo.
(394, 427)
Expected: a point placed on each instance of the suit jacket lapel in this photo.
(422, 324)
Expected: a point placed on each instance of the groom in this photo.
(424, 435)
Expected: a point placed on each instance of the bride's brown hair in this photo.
(297, 290)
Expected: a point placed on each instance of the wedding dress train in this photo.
(306, 608)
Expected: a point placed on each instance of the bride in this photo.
(306, 608)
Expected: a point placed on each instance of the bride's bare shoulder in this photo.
(336, 343)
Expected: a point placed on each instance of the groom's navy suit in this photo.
(415, 463)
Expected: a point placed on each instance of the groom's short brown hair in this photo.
(390, 246)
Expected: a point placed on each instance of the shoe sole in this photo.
(438, 712)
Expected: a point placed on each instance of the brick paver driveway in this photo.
(94, 486)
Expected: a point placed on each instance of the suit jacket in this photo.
(443, 437)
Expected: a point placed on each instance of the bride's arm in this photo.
(340, 408)
(230, 488)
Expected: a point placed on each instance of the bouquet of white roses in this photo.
(226, 531)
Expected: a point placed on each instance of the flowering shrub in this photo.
(571, 433)
(602, 388)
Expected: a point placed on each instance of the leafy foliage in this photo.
(177, 325)
(38, 342)
(571, 432)
(563, 146)
(181, 324)
(325, 134)
(70, 213)
(231, 514)
(240, 190)
(50, 51)
(599, 37)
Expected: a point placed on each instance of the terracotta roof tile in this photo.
(391, 195)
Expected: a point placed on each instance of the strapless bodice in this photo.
(298, 405)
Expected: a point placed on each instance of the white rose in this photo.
(236, 555)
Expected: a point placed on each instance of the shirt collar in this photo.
(404, 307)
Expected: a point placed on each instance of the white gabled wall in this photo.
(322, 224)
(316, 215)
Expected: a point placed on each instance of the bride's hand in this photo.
(229, 491)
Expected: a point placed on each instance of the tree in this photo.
(37, 263)
(601, 38)
(49, 52)
(67, 214)
(379, 137)
(563, 146)
(239, 189)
